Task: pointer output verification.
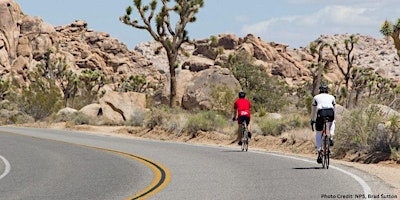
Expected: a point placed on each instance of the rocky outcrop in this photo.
(25, 40)
(122, 107)
(199, 91)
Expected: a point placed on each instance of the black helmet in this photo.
(242, 94)
(323, 88)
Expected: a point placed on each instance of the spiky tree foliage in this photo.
(389, 29)
(346, 70)
(58, 69)
(317, 69)
(360, 79)
(134, 83)
(171, 38)
(92, 81)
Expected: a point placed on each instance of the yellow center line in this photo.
(161, 173)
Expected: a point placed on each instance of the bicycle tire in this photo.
(323, 151)
(325, 147)
(326, 153)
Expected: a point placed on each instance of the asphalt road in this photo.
(54, 164)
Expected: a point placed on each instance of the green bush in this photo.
(275, 127)
(263, 91)
(136, 119)
(223, 97)
(156, 117)
(40, 99)
(205, 121)
(79, 118)
(367, 130)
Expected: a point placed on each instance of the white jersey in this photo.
(324, 101)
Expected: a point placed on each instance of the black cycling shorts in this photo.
(322, 114)
(244, 118)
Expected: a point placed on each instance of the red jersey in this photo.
(243, 107)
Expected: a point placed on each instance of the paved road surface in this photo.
(87, 166)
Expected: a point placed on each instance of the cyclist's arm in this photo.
(234, 112)
(314, 110)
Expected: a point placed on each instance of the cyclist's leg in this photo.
(332, 128)
(239, 133)
(247, 118)
(240, 127)
(319, 124)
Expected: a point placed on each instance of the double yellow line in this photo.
(161, 174)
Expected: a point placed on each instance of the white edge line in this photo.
(367, 190)
(7, 167)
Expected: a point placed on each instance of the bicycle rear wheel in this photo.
(327, 155)
(325, 152)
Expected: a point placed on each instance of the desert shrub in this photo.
(136, 119)
(275, 127)
(223, 97)
(367, 130)
(176, 123)
(392, 136)
(205, 121)
(40, 99)
(156, 117)
(5, 87)
(270, 126)
(354, 130)
(14, 117)
(79, 118)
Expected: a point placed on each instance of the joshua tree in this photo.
(348, 56)
(170, 38)
(392, 30)
(317, 69)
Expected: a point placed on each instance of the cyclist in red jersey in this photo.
(242, 112)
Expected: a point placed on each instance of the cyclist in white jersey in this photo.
(323, 106)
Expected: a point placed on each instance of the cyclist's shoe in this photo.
(331, 142)
(319, 159)
(240, 143)
(249, 134)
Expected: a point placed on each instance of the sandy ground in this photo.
(298, 143)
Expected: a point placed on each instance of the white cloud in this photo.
(330, 19)
(266, 26)
(338, 15)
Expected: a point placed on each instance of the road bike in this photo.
(245, 136)
(325, 152)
